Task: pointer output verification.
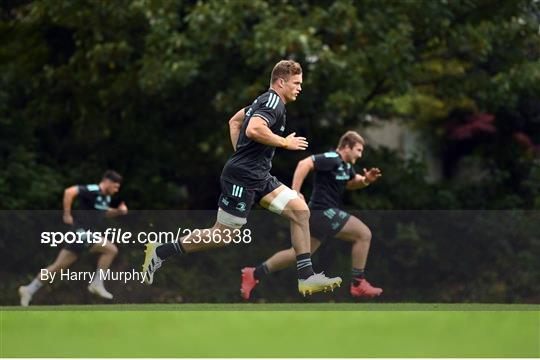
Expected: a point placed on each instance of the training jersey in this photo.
(331, 175)
(91, 198)
(251, 162)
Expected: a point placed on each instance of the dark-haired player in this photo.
(93, 197)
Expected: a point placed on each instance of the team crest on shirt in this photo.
(342, 174)
(241, 206)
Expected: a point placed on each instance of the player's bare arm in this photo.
(70, 194)
(361, 181)
(259, 131)
(122, 209)
(302, 170)
(235, 125)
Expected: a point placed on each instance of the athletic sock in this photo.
(34, 286)
(304, 266)
(98, 277)
(357, 276)
(261, 271)
(169, 249)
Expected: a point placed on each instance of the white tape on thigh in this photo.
(278, 204)
(232, 221)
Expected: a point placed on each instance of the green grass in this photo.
(284, 307)
(272, 330)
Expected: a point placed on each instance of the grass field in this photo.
(271, 330)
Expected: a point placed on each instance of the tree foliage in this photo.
(146, 87)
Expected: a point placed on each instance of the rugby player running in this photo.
(256, 131)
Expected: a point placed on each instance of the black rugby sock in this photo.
(261, 271)
(304, 266)
(357, 276)
(169, 249)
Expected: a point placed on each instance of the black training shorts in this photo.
(324, 224)
(237, 200)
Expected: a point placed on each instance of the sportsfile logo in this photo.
(120, 236)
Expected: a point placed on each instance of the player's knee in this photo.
(286, 200)
(219, 228)
(112, 250)
(365, 235)
(292, 254)
(57, 266)
(53, 268)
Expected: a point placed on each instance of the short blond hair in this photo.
(350, 138)
(284, 70)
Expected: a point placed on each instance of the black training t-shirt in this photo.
(252, 161)
(91, 198)
(331, 175)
